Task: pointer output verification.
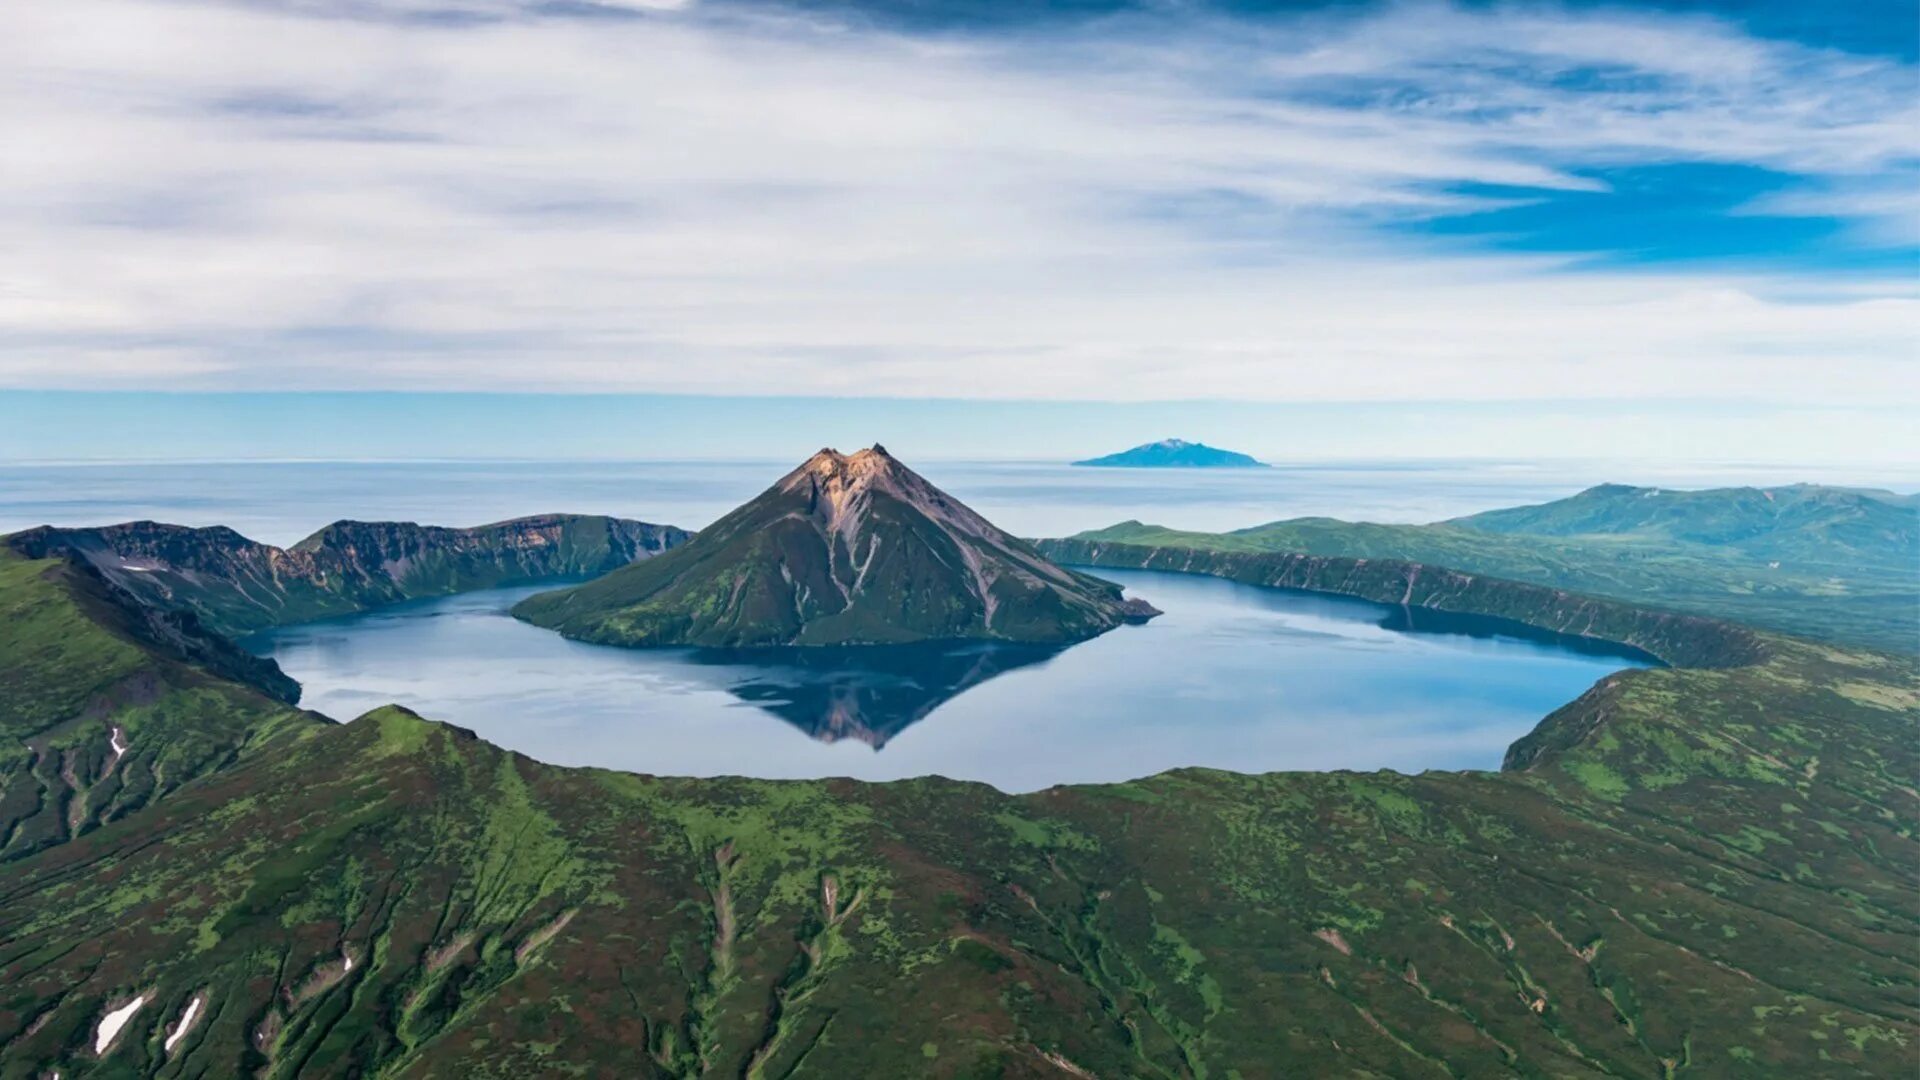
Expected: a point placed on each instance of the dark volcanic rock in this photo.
(235, 585)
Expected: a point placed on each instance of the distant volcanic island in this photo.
(847, 549)
(1174, 454)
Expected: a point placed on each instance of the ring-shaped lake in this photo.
(1231, 677)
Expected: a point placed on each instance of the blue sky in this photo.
(1030, 225)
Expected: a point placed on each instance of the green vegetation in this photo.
(845, 550)
(83, 669)
(1834, 563)
(1703, 869)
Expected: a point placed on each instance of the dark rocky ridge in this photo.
(179, 635)
(236, 586)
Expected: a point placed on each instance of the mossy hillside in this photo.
(1680, 639)
(81, 674)
(1836, 528)
(58, 657)
(1688, 871)
(1815, 561)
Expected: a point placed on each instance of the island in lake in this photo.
(847, 549)
(1175, 454)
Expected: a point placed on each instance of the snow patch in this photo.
(111, 1023)
(118, 741)
(186, 1022)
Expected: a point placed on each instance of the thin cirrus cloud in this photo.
(490, 196)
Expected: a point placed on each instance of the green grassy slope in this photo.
(1688, 871)
(83, 670)
(1675, 638)
(1840, 528)
(1848, 562)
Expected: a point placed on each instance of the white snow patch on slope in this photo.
(186, 1022)
(111, 1023)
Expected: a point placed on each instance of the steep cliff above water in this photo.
(1673, 638)
(1803, 559)
(235, 585)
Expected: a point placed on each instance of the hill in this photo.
(235, 585)
(1807, 525)
(1830, 562)
(845, 550)
(1174, 454)
(1695, 868)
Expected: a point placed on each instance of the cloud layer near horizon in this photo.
(482, 197)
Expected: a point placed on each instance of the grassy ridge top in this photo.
(107, 707)
(1833, 563)
(1686, 870)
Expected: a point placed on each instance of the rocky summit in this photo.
(847, 549)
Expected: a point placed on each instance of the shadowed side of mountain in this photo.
(237, 586)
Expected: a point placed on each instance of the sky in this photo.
(656, 228)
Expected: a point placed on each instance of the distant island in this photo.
(1174, 454)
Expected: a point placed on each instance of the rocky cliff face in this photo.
(1680, 640)
(235, 585)
(845, 550)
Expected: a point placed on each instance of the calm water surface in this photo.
(1232, 676)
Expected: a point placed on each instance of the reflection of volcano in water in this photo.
(871, 692)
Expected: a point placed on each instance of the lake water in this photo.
(1232, 676)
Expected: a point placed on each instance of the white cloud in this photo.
(205, 195)
(1881, 211)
